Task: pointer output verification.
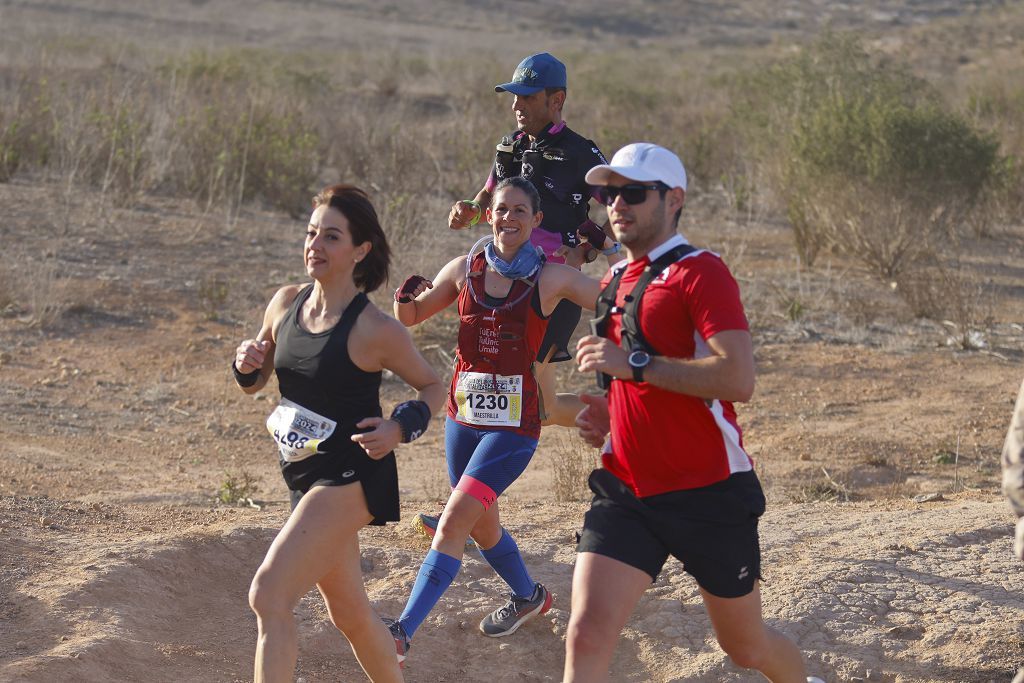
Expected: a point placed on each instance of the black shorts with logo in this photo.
(712, 530)
(379, 479)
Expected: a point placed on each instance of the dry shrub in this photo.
(25, 138)
(212, 295)
(199, 129)
(995, 104)
(44, 294)
(945, 289)
(824, 489)
(237, 133)
(573, 463)
(863, 155)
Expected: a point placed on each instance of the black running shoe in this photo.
(506, 619)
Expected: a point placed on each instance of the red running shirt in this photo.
(664, 441)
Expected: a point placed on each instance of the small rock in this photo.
(45, 521)
(928, 497)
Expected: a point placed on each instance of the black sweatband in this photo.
(413, 417)
(245, 379)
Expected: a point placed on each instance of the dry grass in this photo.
(573, 463)
(236, 130)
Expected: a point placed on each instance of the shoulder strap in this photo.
(631, 336)
(349, 316)
(291, 316)
(605, 304)
(521, 288)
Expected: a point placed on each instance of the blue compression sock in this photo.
(436, 573)
(506, 559)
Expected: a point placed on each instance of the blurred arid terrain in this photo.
(138, 492)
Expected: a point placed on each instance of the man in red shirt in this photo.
(672, 347)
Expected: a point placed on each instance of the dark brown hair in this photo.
(520, 183)
(364, 226)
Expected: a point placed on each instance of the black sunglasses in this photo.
(634, 193)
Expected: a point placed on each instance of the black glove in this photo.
(405, 293)
(591, 232)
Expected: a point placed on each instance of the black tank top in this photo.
(315, 371)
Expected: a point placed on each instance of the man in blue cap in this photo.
(555, 159)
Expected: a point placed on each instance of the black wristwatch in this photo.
(638, 360)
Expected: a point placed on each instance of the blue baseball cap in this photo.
(535, 73)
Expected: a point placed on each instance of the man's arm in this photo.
(726, 374)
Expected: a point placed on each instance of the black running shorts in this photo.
(712, 530)
(561, 324)
(379, 479)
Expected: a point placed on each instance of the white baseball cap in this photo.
(643, 162)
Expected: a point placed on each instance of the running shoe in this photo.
(427, 525)
(506, 619)
(402, 641)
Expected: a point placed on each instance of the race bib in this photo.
(489, 400)
(298, 431)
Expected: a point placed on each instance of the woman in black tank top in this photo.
(328, 346)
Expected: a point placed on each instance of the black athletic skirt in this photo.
(379, 479)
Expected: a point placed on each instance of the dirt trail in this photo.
(871, 591)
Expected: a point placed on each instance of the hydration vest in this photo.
(631, 337)
(498, 341)
(552, 163)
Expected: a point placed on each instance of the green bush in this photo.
(863, 155)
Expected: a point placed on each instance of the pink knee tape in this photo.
(477, 489)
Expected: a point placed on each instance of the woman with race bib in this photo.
(505, 295)
(328, 346)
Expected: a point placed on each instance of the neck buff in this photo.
(524, 264)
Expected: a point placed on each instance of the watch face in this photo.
(639, 359)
